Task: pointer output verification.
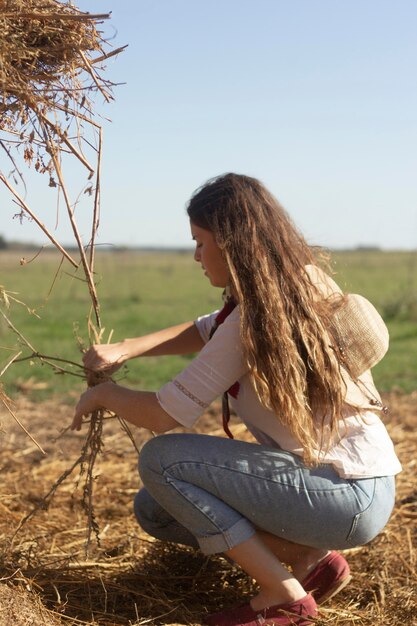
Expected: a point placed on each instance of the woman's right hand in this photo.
(105, 358)
(109, 357)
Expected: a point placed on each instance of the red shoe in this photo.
(329, 577)
(299, 613)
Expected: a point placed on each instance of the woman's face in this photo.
(208, 253)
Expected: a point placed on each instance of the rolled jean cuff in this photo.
(238, 533)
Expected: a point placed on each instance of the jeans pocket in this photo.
(368, 523)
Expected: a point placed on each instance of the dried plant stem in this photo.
(92, 448)
(56, 16)
(37, 355)
(5, 400)
(104, 57)
(44, 229)
(86, 462)
(8, 364)
(128, 432)
(53, 151)
(49, 361)
(96, 210)
(92, 73)
(45, 500)
(18, 333)
(76, 114)
(65, 140)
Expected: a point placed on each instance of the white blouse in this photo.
(363, 449)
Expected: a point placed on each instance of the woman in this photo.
(321, 475)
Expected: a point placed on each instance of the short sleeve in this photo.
(219, 364)
(204, 325)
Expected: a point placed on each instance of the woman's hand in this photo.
(109, 357)
(106, 358)
(140, 408)
(89, 401)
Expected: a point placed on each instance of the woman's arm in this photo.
(180, 339)
(140, 408)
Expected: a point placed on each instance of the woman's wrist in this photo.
(130, 348)
(104, 393)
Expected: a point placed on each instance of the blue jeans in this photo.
(214, 493)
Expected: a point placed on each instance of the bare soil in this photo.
(130, 579)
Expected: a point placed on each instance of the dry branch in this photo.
(51, 56)
(42, 226)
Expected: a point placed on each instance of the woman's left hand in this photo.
(140, 408)
(89, 401)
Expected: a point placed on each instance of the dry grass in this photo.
(131, 579)
(45, 51)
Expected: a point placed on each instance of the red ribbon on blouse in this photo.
(234, 389)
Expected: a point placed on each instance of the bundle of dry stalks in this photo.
(42, 51)
(51, 62)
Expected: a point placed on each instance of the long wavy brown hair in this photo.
(283, 322)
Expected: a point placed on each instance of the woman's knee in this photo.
(161, 452)
(158, 523)
(140, 507)
(147, 511)
(150, 457)
(150, 515)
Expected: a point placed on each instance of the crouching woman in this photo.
(320, 477)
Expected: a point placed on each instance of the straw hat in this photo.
(361, 334)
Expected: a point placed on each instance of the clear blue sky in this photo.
(317, 98)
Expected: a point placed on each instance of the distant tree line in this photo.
(3, 243)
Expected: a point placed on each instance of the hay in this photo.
(131, 579)
(47, 78)
(43, 52)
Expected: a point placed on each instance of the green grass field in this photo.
(143, 291)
